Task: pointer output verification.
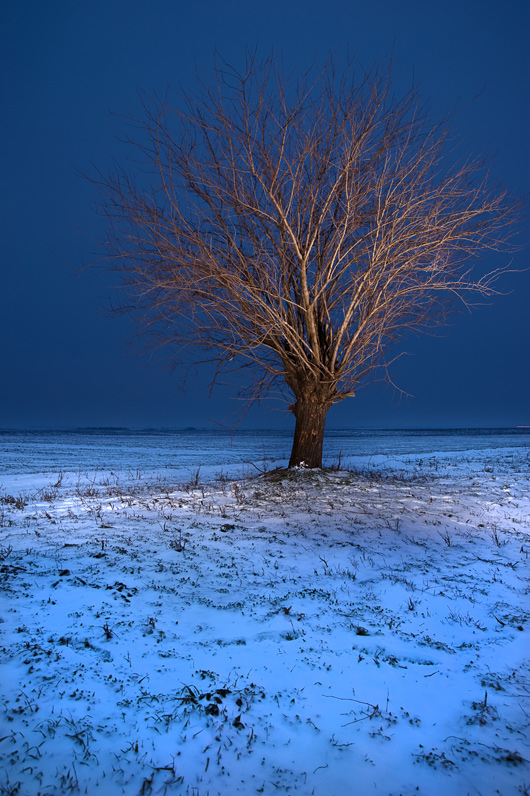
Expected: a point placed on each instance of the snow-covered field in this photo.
(358, 631)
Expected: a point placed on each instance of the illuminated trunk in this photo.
(310, 414)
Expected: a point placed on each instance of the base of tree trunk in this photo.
(308, 433)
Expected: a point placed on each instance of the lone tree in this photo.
(299, 227)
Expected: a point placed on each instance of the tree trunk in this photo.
(308, 439)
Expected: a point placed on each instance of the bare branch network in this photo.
(300, 226)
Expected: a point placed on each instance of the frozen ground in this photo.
(327, 633)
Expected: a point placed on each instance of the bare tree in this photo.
(299, 227)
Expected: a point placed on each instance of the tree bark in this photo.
(310, 414)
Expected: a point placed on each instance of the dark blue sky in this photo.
(66, 65)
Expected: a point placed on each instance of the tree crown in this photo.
(300, 226)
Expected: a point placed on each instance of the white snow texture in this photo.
(335, 632)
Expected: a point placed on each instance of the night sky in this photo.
(72, 71)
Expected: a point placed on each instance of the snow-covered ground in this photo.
(321, 632)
